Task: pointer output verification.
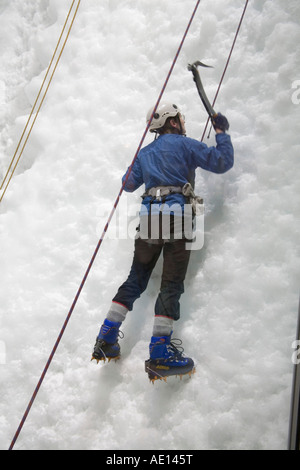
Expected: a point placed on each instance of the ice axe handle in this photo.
(193, 68)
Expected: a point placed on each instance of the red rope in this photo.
(100, 242)
(227, 63)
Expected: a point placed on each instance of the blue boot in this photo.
(107, 346)
(167, 359)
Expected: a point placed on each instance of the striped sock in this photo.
(163, 326)
(117, 312)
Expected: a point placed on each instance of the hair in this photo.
(168, 128)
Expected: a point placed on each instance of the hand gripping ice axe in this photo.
(222, 122)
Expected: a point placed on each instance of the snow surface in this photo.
(239, 311)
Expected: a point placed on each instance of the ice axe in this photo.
(218, 120)
(202, 94)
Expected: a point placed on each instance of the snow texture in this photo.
(239, 310)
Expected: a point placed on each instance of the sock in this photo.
(163, 326)
(117, 312)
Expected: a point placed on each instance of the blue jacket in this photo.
(172, 159)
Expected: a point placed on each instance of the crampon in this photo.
(162, 372)
(105, 351)
(104, 359)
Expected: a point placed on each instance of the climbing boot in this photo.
(167, 359)
(107, 346)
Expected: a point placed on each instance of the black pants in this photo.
(175, 262)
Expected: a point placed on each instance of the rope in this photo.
(100, 241)
(36, 101)
(294, 424)
(227, 63)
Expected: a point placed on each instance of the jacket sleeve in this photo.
(133, 177)
(217, 159)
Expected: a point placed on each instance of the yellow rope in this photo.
(42, 100)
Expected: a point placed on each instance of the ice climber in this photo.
(167, 169)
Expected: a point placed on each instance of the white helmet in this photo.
(162, 113)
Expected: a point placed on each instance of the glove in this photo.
(220, 122)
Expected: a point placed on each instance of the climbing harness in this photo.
(15, 160)
(195, 201)
(159, 193)
(104, 232)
